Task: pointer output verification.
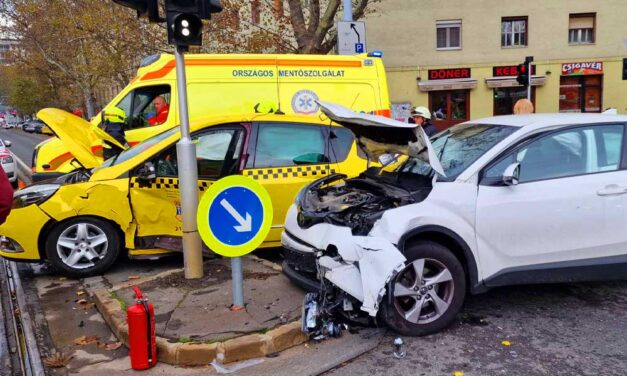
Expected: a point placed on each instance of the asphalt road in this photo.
(23, 143)
(562, 329)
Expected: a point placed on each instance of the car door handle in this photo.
(612, 189)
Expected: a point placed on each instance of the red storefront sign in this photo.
(582, 69)
(447, 74)
(509, 70)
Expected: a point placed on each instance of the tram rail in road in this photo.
(19, 322)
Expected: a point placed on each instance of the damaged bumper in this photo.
(359, 265)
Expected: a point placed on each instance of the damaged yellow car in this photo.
(82, 221)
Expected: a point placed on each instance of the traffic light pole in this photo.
(188, 178)
(529, 81)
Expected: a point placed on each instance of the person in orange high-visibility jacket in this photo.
(162, 108)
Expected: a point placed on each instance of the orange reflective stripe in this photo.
(167, 68)
(386, 113)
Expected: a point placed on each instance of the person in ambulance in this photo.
(82, 221)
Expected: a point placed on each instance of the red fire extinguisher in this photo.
(141, 332)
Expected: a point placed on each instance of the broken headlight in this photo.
(35, 194)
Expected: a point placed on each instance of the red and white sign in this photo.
(447, 74)
(582, 69)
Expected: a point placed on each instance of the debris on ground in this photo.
(85, 340)
(399, 348)
(57, 360)
(221, 369)
(506, 343)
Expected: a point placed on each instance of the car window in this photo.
(215, 150)
(289, 145)
(341, 141)
(582, 150)
(458, 147)
(140, 109)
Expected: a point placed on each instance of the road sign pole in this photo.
(348, 10)
(237, 275)
(188, 177)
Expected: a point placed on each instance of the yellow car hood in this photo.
(77, 134)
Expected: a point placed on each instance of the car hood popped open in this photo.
(77, 134)
(379, 135)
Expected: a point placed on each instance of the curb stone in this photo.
(192, 354)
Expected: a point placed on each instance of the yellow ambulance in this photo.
(233, 84)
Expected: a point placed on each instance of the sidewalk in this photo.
(194, 324)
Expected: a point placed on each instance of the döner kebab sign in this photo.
(579, 69)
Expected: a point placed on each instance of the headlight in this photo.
(35, 194)
(4, 160)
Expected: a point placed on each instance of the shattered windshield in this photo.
(459, 146)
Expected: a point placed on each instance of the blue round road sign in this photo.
(234, 216)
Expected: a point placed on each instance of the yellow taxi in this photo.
(81, 221)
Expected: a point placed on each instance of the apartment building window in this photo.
(581, 28)
(449, 35)
(514, 32)
(255, 12)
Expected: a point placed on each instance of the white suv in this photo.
(517, 199)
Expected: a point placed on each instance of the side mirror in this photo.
(511, 174)
(7, 143)
(147, 172)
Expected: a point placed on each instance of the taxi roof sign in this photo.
(234, 216)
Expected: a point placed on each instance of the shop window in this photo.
(506, 97)
(449, 107)
(581, 94)
(581, 28)
(514, 32)
(449, 34)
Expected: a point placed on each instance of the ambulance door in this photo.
(156, 203)
(283, 157)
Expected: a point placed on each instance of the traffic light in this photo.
(184, 20)
(523, 74)
(148, 8)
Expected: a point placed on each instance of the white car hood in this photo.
(379, 135)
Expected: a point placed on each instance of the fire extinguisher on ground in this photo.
(141, 332)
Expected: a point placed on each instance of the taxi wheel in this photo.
(83, 246)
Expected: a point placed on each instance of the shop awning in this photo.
(450, 84)
(510, 81)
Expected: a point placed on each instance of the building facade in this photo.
(460, 57)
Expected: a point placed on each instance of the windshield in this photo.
(138, 149)
(458, 147)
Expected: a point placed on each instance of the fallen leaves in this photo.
(85, 340)
(88, 340)
(458, 373)
(110, 346)
(57, 360)
(85, 304)
(506, 343)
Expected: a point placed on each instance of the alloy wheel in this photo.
(423, 291)
(82, 244)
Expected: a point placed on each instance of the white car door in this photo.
(569, 207)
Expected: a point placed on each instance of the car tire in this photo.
(440, 292)
(83, 247)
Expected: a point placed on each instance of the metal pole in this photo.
(529, 81)
(188, 177)
(237, 276)
(348, 10)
